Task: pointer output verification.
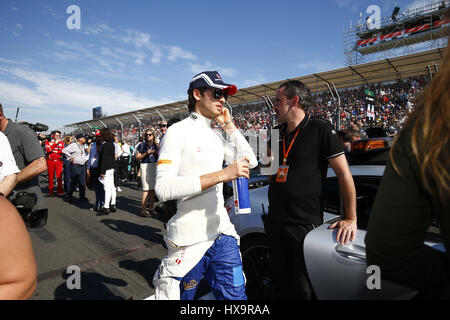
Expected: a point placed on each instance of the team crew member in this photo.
(200, 238)
(306, 148)
(8, 167)
(54, 150)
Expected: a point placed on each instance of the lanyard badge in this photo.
(284, 168)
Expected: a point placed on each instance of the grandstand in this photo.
(416, 29)
(329, 83)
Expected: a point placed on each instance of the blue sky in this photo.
(138, 54)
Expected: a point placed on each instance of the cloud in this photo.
(142, 41)
(208, 66)
(48, 92)
(137, 39)
(14, 8)
(259, 78)
(318, 65)
(348, 4)
(77, 51)
(9, 61)
(97, 29)
(176, 53)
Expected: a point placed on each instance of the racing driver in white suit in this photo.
(201, 240)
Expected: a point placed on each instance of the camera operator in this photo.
(8, 167)
(78, 154)
(29, 156)
(42, 137)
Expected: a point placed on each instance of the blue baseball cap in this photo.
(211, 79)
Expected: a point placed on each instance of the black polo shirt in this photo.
(299, 199)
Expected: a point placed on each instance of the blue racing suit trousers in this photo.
(221, 266)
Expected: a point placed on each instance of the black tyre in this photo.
(255, 260)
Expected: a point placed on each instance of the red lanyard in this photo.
(285, 154)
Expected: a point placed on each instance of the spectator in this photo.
(354, 135)
(117, 155)
(147, 154)
(18, 272)
(124, 161)
(137, 163)
(345, 138)
(106, 164)
(66, 165)
(78, 154)
(163, 129)
(415, 189)
(131, 147)
(93, 173)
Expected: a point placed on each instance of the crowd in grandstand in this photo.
(393, 104)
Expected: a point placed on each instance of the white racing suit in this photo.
(201, 240)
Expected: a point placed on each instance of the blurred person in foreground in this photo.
(18, 272)
(8, 167)
(414, 190)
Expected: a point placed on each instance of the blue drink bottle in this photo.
(241, 196)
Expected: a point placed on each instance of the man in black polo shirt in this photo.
(29, 156)
(307, 145)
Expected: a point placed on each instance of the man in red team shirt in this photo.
(54, 163)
